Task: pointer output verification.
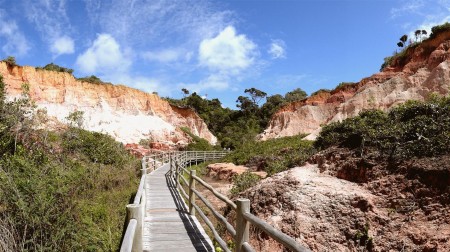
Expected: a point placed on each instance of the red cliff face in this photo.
(125, 113)
(422, 70)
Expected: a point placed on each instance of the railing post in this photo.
(134, 212)
(191, 193)
(177, 174)
(242, 225)
(144, 166)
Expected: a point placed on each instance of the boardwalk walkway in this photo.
(167, 224)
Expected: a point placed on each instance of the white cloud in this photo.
(140, 82)
(106, 59)
(62, 45)
(144, 23)
(428, 24)
(51, 21)
(277, 49)
(15, 43)
(216, 82)
(410, 6)
(227, 52)
(167, 55)
(104, 56)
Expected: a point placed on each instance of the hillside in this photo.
(380, 182)
(126, 114)
(418, 71)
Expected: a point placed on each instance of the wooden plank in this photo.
(167, 225)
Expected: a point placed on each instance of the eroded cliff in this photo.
(415, 74)
(127, 114)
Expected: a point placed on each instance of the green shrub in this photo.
(56, 68)
(387, 62)
(62, 191)
(92, 79)
(243, 181)
(343, 85)
(323, 90)
(414, 129)
(438, 29)
(10, 61)
(198, 144)
(282, 153)
(99, 147)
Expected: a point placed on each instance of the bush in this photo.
(56, 68)
(343, 85)
(10, 61)
(438, 29)
(243, 181)
(91, 79)
(198, 144)
(323, 90)
(61, 191)
(274, 155)
(98, 147)
(414, 129)
(387, 62)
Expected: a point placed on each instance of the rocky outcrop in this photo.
(226, 171)
(390, 211)
(422, 70)
(127, 114)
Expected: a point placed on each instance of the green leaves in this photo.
(273, 156)
(243, 181)
(414, 129)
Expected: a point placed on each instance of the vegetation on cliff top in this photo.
(56, 68)
(234, 128)
(273, 155)
(59, 191)
(420, 36)
(413, 129)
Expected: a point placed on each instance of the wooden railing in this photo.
(240, 233)
(179, 161)
(132, 240)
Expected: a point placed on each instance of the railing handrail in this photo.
(244, 218)
(178, 162)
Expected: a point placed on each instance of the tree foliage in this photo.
(92, 79)
(10, 61)
(56, 68)
(414, 129)
(234, 128)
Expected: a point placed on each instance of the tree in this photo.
(256, 95)
(246, 105)
(185, 92)
(273, 103)
(400, 44)
(295, 95)
(417, 34)
(10, 61)
(404, 38)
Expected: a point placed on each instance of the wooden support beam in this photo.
(242, 225)
(191, 192)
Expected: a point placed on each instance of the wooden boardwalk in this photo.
(167, 224)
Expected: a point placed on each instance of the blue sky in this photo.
(215, 48)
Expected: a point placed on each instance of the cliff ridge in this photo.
(125, 113)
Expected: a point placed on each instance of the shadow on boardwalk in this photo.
(196, 236)
(168, 225)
